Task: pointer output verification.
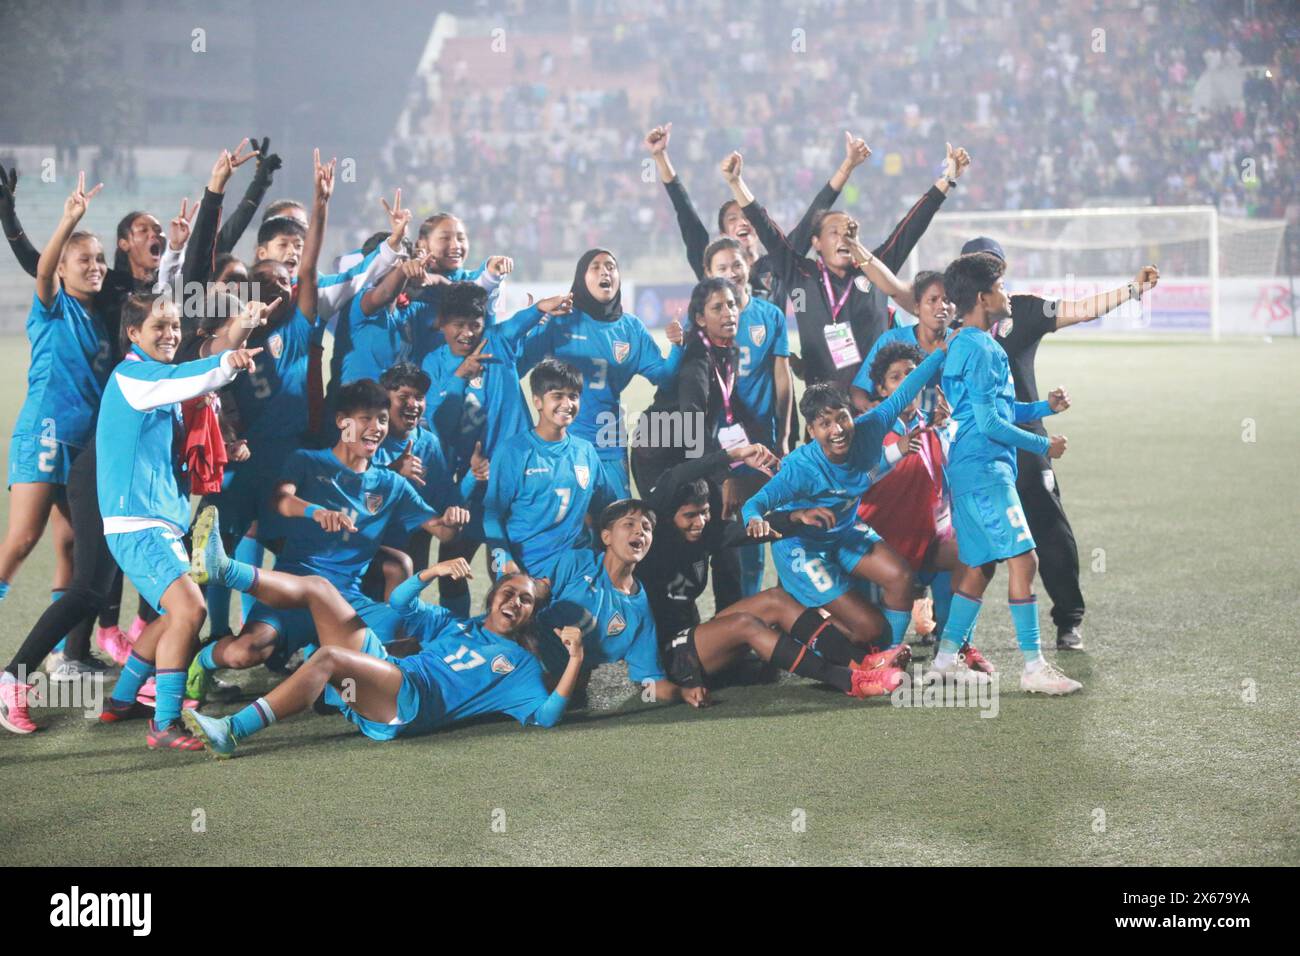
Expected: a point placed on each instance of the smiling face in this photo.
(159, 336)
(831, 241)
(602, 278)
(731, 265)
(462, 334)
(690, 519)
(446, 244)
(832, 429)
(720, 318)
(362, 431)
(629, 538)
(512, 604)
(558, 407)
(143, 244)
(931, 310)
(405, 409)
(82, 268)
(735, 225)
(997, 304)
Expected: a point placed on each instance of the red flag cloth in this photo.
(205, 448)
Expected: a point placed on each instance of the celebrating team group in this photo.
(913, 463)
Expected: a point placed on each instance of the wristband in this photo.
(1134, 291)
(310, 510)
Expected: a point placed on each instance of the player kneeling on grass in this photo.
(687, 502)
(600, 594)
(146, 508)
(463, 669)
(817, 491)
(342, 505)
(987, 515)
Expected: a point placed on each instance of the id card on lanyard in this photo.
(839, 336)
(730, 433)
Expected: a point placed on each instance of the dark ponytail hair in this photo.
(121, 263)
(700, 296)
(136, 310)
(525, 636)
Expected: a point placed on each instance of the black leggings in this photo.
(93, 570)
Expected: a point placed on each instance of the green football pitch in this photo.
(1181, 482)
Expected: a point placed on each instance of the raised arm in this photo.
(772, 238)
(202, 245)
(74, 207)
(233, 228)
(332, 293)
(856, 152)
(908, 230)
(695, 234)
(323, 177)
(26, 254)
(1073, 311)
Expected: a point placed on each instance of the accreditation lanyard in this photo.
(836, 307)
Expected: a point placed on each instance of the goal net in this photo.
(1218, 274)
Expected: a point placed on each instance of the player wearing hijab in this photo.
(607, 346)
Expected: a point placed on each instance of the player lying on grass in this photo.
(146, 507)
(908, 503)
(987, 515)
(689, 529)
(817, 489)
(463, 669)
(339, 506)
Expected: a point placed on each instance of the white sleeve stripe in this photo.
(144, 395)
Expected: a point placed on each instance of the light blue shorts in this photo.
(816, 573)
(990, 525)
(152, 558)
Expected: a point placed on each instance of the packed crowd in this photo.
(1063, 103)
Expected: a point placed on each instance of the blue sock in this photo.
(4, 589)
(961, 621)
(898, 621)
(218, 598)
(256, 716)
(752, 559)
(458, 605)
(171, 688)
(941, 593)
(249, 552)
(54, 596)
(135, 672)
(1024, 615)
(206, 660)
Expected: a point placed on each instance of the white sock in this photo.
(7, 678)
(1035, 664)
(942, 660)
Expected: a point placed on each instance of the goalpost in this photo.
(1218, 274)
